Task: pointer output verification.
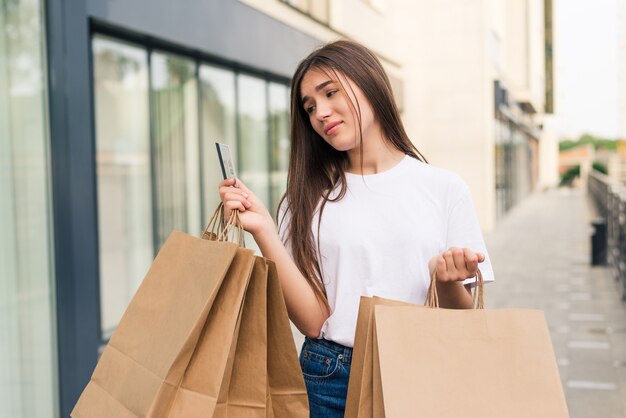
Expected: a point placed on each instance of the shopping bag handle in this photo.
(478, 296)
(230, 231)
(213, 228)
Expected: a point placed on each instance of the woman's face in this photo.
(330, 113)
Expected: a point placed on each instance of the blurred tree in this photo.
(568, 177)
(598, 166)
(598, 143)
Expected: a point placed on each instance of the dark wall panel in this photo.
(226, 28)
(73, 197)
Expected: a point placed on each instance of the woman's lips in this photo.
(332, 128)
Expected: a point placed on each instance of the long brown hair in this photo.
(315, 167)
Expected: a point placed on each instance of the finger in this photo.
(471, 261)
(227, 182)
(240, 185)
(235, 193)
(481, 257)
(229, 189)
(459, 261)
(441, 268)
(239, 197)
(450, 268)
(223, 190)
(232, 205)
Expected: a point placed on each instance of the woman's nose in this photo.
(323, 111)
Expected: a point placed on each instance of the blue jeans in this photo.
(326, 369)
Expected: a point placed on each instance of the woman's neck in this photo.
(378, 156)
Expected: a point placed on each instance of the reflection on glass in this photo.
(521, 165)
(176, 144)
(254, 151)
(217, 89)
(123, 174)
(27, 312)
(146, 189)
(513, 161)
(279, 139)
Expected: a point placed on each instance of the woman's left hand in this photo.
(455, 264)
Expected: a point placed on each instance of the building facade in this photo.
(621, 70)
(109, 111)
(475, 89)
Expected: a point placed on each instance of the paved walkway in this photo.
(540, 253)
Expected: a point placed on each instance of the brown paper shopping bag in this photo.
(261, 377)
(221, 351)
(461, 363)
(287, 396)
(141, 367)
(224, 369)
(361, 393)
(266, 379)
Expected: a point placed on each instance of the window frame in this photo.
(153, 45)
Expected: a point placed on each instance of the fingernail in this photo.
(248, 204)
(245, 195)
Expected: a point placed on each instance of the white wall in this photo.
(447, 91)
(524, 51)
(621, 72)
(548, 155)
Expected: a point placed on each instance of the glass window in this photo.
(158, 116)
(28, 379)
(253, 130)
(217, 89)
(123, 174)
(254, 152)
(176, 145)
(279, 138)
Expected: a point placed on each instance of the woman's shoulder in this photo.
(436, 177)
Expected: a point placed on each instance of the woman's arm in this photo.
(305, 311)
(452, 267)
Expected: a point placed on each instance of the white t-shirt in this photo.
(377, 240)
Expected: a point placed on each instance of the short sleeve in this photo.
(464, 231)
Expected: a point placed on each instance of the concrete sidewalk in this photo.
(540, 253)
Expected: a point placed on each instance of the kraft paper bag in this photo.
(261, 377)
(223, 348)
(145, 360)
(266, 378)
(238, 359)
(461, 363)
(361, 393)
(287, 396)
(454, 363)
(247, 390)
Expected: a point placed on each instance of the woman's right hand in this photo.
(254, 216)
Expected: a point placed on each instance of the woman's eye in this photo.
(331, 93)
(310, 109)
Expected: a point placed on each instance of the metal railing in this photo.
(609, 196)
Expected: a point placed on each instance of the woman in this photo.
(364, 214)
